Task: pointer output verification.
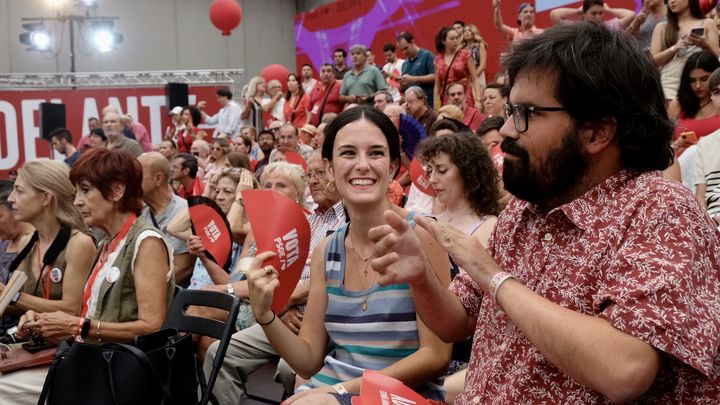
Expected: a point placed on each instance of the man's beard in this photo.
(554, 181)
(266, 150)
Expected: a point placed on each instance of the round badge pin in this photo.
(113, 275)
(56, 275)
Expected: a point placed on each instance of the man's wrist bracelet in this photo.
(497, 281)
(340, 389)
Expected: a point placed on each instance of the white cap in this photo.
(176, 110)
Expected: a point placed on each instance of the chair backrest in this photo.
(178, 319)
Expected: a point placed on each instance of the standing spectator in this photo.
(416, 104)
(227, 120)
(308, 81)
(381, 99)
(274, 104)
(253, 112)
(370, 55)
(585, 180)
(652, 13)
(453, 64)
(190, 118)
(526, 22)
(674, 41)
(392, 71)
(185, 172)
(494, 99)
(98, 138)
(459, 27)
(296, 102)
(707, 161)
(142, 136)
(457, 95)
(177, 124)
(360, 83)
(693, 107)
(474, 43)
(594, 10)
(116, 139)
(340, 68)
(160, 206)
(325, 96)
(418, 69)
(61, 139)
(84, 142)
(266, 141)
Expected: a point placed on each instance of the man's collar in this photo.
(583, 210)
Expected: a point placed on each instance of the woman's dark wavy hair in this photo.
(440, 37)
(195, 114)
(689, 103)
(672, 28)
(369, 113)
(601, 75)
(476, 169)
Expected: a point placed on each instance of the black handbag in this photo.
(159, 368)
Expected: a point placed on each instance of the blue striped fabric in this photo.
(372, 339)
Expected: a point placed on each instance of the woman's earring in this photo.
(330, 187)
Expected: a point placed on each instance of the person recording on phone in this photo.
(674, 41)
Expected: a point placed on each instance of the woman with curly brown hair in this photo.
(465, 182)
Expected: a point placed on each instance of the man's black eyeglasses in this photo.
(521, 114)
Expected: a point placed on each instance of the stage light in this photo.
(40, 40)
(88, 3)
(104, 40)
(37, 38)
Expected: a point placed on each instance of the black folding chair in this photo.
(222, 330)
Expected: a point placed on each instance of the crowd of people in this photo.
(573, 255)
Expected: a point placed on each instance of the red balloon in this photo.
(707, 5)
(225, 15)
(276, 72)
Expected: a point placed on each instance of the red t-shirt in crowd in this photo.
(317, 95)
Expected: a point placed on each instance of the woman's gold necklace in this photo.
(365, 263)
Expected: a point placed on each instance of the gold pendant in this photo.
(364, 306)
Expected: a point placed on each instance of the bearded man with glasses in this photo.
(600, 283)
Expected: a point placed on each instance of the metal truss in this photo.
(25, 81)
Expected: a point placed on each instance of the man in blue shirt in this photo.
(419, 68)
(62, 143)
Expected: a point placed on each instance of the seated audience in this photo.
(249, 349)
(161, 205)
(185, 172)
(343, 287)
(130, 286)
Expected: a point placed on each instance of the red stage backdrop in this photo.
(19, 117)
(374, 23)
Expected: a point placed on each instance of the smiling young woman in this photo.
(362, 154)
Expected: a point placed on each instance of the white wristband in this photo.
(497, 281)
(230, 289)
(340, 389)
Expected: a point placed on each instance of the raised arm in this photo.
(497, 19)
(562, 15)
(624, 15)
